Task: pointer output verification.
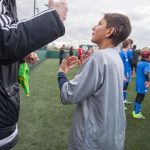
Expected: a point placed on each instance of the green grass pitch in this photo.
(44, 122)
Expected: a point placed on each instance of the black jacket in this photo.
(17, 39)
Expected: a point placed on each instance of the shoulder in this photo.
(100, 57)
(147, 64)
(121, 53)
(94, 59)
(97, 55)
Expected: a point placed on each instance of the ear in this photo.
(109, 32)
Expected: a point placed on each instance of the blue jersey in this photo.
(130, 57)
(129, 53)
(143, 68)
(126, 63)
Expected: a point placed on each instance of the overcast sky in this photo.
(84, 14)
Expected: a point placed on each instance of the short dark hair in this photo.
(125, 44)
(121, 24)
(130, 41)
(134, 46)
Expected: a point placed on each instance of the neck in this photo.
(105, 45)
(124, 49)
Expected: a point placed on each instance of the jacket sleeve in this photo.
(85, 83)
(18, 40)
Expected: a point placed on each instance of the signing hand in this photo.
(61, 8)
(32, 58)
(68, 63)
(84, 57)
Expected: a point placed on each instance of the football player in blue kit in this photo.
(127, 68)
(142, 82)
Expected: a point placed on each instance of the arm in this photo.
(147, 77)
(85, 83)
(61, 79)
(146, 74)
(147, 83)
(130, 56)
(121, 56)
(20, 39)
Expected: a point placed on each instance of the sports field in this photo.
(44, 122)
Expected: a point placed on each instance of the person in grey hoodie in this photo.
(99, 121)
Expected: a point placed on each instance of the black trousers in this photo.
(60, 60)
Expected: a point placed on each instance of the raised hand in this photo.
(61, 8)
(68, 63)
(32, 58)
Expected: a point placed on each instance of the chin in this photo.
(93, 41)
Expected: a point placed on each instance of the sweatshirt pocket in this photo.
(13, 102)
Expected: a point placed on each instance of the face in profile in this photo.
(130, 46)
(99, 32)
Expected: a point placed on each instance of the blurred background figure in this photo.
(127, 68)
(71, 51)
(89, 51)
(61, 54)
(135, 58)
(80, 53)
(130, 55)
(142, 82)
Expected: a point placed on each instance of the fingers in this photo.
(61, 8)
(72, 58)
(35, 57)
(32, 58)
(50, 3)
(83, 57)
(71, 67)
(64, 1)
(72, 62)
(68, 61)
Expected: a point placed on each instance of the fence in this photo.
(44, 54)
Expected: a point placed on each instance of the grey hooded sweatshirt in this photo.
(99, 120)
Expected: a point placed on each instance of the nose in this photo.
(93, 28)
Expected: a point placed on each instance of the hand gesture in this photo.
(32, 58)
(61, 8)
(84, 58)
(68, 63)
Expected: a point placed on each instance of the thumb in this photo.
(67, 56)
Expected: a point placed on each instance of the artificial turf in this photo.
(44, 122)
